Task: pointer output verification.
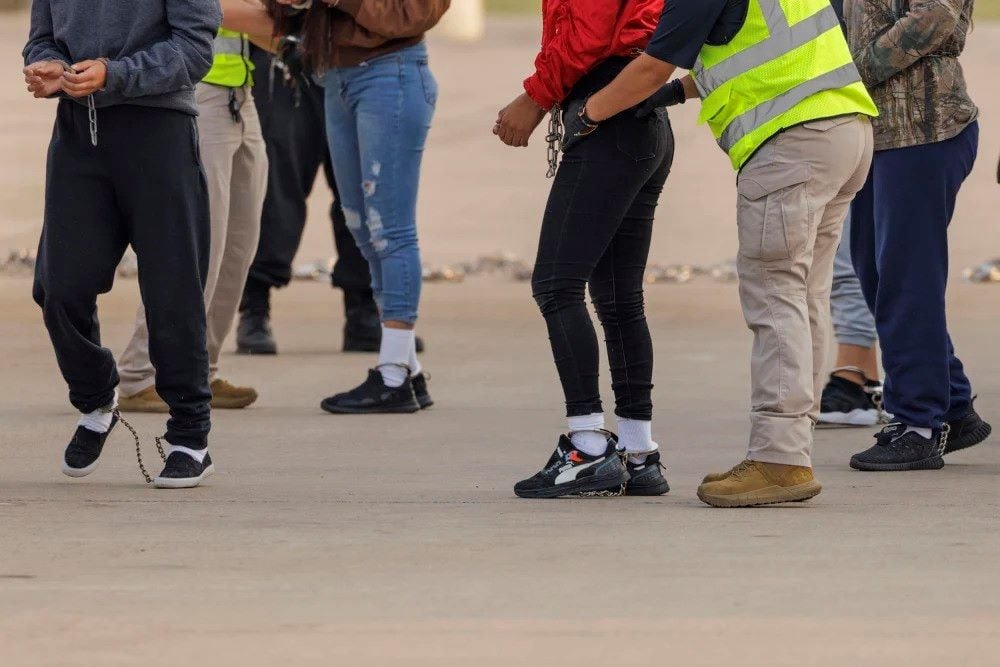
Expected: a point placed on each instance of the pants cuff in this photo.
(784, 458)
(96, 403)
(856, 339)
(191, 442)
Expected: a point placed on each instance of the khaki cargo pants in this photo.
(235, 161)
(794, 194)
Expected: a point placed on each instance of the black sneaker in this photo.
(84, 450)
(419, 382)
(846, 403)
(183, 472)
(372, 397)
(253, 334)
(646, 479)
(570, 471)
(967, 431)
(895, 450)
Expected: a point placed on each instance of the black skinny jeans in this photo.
(596, 231)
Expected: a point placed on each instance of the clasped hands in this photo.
(48, 77)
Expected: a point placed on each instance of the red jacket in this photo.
(578, 34)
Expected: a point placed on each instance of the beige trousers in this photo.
(235, 161)
(793, 197)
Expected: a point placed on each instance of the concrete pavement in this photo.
(331, 540)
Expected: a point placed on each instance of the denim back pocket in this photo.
(637, 138)
(428, 82)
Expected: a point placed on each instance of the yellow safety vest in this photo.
(787, 65)
(231, 66)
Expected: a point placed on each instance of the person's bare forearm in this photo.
(635, 83)
(247, 16)
(690, 89)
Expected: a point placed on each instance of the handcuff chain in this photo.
(138, 446)
(553, 139)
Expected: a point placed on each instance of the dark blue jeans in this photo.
(899, 244)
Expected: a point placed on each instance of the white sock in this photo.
(415, 367)
(585, 436)
(635, 436)
(922, 432)
(99, 421)
(394, 355)
(197, 454)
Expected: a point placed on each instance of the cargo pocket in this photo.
(773, 214)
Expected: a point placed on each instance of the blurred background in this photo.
(481, 197)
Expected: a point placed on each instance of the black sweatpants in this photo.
(596, 231)
(143, 185)
(296, 149)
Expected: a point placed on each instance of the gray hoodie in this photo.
(157, 50)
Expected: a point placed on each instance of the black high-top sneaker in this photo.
(419, 382)
(84, 450)
(182, 471)
(967, 431)
(570, 471)
(897, 450)
(646, 478)
(253, 333)
(373, 396)
(846, 403)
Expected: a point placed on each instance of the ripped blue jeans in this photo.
(377, 115)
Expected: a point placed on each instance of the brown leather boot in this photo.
(757, 483)
(229, 397)
(716, 476)
(146, 400)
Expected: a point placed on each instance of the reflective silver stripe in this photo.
(780, 43)
(767, 111)
(229, 45)
(774, 15)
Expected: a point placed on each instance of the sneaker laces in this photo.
(738, 471)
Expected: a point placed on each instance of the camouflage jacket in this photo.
(907, 52)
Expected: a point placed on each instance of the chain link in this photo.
(608, 493)
(92, 117)
(138, 446)
(554, 139)
(943, 440)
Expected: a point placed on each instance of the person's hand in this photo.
(517, 120)
(87, 77)
(575, 127)
(667, 96)
(44, 78)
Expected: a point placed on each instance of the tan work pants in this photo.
(794, 194)
(235, 161)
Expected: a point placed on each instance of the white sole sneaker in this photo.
(78, 472)
(856, 417)
(184, 482)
